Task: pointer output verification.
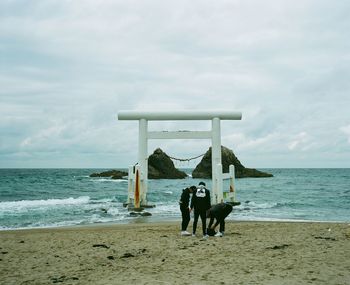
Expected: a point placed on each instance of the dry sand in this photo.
(155, 253)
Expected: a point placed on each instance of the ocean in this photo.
(41, 198)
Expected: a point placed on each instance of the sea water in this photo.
(37, 198)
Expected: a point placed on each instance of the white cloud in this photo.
(346, 131)
(299, 141)
(68, 67)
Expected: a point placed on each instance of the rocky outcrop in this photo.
(114, 174)
(203, 169)
(160, 166)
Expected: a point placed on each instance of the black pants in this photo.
(202, 214)
(185, 213)
(220, 220)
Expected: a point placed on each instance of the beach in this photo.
(155, 253)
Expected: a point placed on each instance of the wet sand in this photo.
(155, 253)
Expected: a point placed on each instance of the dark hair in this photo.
(201, 183)
(193, 188)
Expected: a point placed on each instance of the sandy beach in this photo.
(155, 253)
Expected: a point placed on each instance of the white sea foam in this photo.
(113, 211)
(165, 210)
(254, 206)
(98, 219)
(110, 180)
(23, 205)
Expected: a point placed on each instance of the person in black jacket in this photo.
(218, 212)
(200, 202)
(185, 209)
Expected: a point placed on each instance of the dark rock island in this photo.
(160, 166)
(114, 174)
(203, 169)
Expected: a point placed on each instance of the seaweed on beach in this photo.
(325, 238)
(101, 245)
(283, 246)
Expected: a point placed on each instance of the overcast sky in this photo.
(68, 67)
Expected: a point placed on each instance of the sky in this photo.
(68, 67)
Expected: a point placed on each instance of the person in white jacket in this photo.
(200, 202)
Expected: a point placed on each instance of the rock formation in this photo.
(114, 174)
(203, 169)
(160, 166)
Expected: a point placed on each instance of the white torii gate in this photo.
(144, 135)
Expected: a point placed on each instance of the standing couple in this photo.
(200, 202)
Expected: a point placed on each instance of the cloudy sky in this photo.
(68, 67)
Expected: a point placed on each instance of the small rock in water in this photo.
(143, 214)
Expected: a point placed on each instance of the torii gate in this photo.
(143, 117)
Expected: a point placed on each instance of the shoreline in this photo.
(149, 220)
(253, 252)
